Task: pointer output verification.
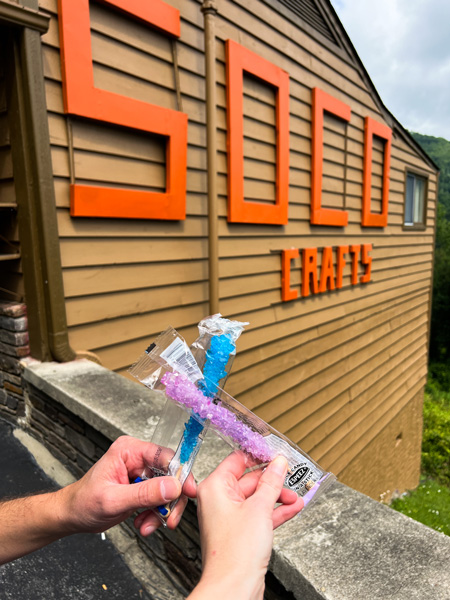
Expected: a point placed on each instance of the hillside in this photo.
(439, 150)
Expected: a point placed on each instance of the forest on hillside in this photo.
(439, 150)
(430, 502)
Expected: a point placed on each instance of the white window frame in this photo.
(416, 189)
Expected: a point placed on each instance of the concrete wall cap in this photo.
(344, 547)
(107, 401)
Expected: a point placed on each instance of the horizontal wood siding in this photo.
(126, 280)
(329, 370)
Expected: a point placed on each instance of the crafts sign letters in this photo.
(331, 271)
(83, 99)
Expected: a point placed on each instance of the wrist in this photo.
(60, 514)
(55, 514)
(232, 584)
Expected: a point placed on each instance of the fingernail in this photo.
(279, 465)
(170, 489)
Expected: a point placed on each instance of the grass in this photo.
(436, 426)
(430, 502)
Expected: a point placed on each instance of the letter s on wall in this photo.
(83, 99)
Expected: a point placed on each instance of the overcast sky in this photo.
(405, 48)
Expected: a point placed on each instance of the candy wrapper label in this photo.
(168, 352)
(178, 355)
(303, 473)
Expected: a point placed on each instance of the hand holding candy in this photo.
(237, 518)
(169, 365)
(104, 496)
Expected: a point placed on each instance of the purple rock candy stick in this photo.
(180, 389)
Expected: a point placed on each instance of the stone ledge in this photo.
(348, 546)
(108, 402)
(344, 547)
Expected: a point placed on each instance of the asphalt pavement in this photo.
(81, 567)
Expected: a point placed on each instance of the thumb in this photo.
(148, 493)
(272, 480)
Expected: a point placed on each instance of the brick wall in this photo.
(72, 441)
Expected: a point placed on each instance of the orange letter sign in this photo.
(309, 271)
(341, 262)
(327, 270)
(355, 250)
(324, 102)
(82, 98)
(286, 256)
(370, 219)
(239, 59)
(366, 260)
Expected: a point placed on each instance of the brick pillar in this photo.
(13, 348)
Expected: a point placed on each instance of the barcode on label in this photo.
(180, 358)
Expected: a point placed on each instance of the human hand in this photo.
(237, 518)
(104, 496)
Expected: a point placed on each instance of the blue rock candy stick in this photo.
(220, 349)
(217, 357)
(192, 430)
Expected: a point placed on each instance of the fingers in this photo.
(138, 455)
(190, 487)
(234, 464)
(271, 481)
(249, 482)
(287, 496)
(177, 513)
(147, 521)
(286, 511)
(146, 494)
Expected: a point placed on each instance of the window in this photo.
(416, 188)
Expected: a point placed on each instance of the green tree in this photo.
(440, 313)
(439, 150)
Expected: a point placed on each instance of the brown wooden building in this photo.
(164, 160)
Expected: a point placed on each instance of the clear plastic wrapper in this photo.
(172, 353)
(216, 334)
(186, 387)
(213, 351)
